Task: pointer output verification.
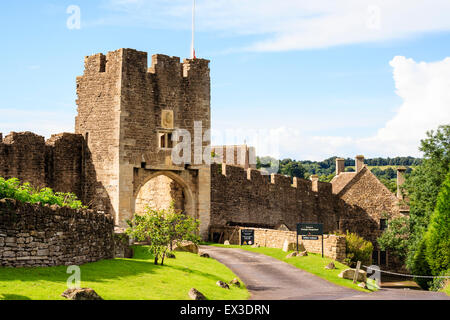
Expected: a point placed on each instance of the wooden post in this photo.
(358, 266)
(322, 245)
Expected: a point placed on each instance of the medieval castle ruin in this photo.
(120, 159)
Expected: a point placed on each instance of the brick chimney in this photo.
(340, 165)
(359, 163)
(400, 180)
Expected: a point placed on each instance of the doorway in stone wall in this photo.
(159, 193)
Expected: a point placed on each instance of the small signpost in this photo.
(310, 231)
(358, 267)
(247, 237)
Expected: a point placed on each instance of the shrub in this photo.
(13, 189)
(395, 238)
(439, 283)
(420, 266)
(358, 249)
(437, 237)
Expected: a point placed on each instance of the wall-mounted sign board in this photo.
(247, 237)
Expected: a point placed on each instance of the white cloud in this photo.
(424, 88)
(290, 24)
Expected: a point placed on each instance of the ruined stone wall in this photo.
(22, 156)
(246, 197)
(56, 163)
(32, 235)
(334, 246)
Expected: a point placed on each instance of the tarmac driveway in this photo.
(267, 278)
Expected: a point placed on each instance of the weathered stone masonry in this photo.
(57, 163)
(246, 197)
(34, 235)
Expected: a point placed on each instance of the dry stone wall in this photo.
(34, 235)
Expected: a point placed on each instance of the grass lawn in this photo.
(313, 263)
(126, 279)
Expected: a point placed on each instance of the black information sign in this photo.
(310, 229)
(247, 237)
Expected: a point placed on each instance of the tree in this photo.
(395, 238)
(422, 187)
(161, 228)
(437, 238)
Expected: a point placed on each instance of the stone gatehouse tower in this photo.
(127, 114)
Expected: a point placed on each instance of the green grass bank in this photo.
(126, 279)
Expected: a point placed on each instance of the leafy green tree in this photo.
(422, 187)
(395, 238)
(437, 238)
(162, 228)
(293, 169)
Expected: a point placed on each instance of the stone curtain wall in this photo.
(334, 246)
(245, 197)
(56, 163)
(32, 235)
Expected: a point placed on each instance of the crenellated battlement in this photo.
(281, 182)
(131, 60)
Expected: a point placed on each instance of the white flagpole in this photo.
(193, 32)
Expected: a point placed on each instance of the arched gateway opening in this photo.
(159, 190)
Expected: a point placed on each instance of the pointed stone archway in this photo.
(158, 188)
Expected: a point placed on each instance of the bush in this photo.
(13, 189)
(358, 249)
(439, 283)
(395, 238)
(437, 237)
(420, 266)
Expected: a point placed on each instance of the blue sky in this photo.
(321, 78)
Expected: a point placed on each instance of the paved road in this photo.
(270, 279)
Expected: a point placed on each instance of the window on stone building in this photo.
(375, 257)
(383, 224)
(165, 140)
(382, 258)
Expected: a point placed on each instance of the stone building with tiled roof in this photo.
(363, 190)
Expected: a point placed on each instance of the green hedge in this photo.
(14, 189)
